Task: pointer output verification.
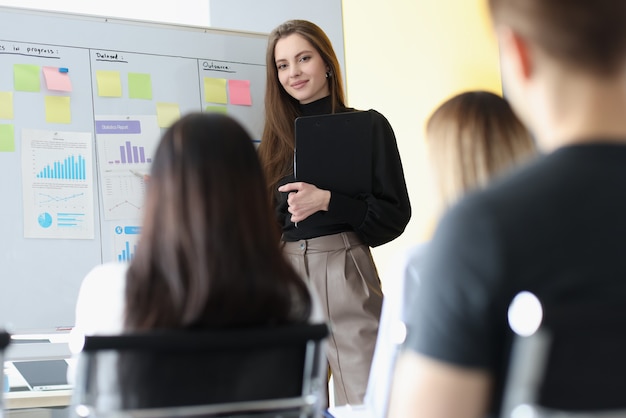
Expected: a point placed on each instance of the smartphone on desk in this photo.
(44, 375)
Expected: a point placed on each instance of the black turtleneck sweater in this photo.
(378, 217)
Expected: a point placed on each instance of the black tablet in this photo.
(334, 152)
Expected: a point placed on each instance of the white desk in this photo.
(39, 399)
(56, 348)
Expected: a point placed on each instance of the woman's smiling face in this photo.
(301, 69)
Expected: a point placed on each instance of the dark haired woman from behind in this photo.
(208, 255)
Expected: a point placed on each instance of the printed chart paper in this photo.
(57, 184)
(125, 145)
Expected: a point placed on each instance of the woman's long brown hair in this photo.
(281, 110)
(208, 255)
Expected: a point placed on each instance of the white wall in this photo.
(415, 55)
(265, 15)
(188, 12)
(240, 15)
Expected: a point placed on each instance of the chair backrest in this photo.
(574, 364)
(392, 331)
(203, 373)
(5, 340)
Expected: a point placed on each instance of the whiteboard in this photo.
(83, 102)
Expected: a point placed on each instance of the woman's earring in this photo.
(328, 74)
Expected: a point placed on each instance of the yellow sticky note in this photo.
(58, 109)
(26, 77)
(6, 105)
(167, 114)
(7, 138)
(215, 90)
(109, 83)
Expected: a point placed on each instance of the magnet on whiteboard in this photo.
(63, 70)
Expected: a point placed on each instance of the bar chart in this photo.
(70, 168)
(129, 140)
(70, 219)
(126, 238)
(131, 154)
(127, 254)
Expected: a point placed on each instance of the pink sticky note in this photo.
(239, 92)
(56, 80)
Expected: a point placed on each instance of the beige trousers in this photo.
(341, 270)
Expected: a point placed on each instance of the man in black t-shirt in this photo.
(554, 228)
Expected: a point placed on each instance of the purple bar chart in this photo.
(131, 154)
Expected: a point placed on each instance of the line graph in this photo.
(45, 198)
(122, 193)
(123, 204)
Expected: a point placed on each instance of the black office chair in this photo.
(270, 371)
(574, 365)
(5, 340)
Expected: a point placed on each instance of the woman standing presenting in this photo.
(327, 235)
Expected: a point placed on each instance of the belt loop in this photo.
(346, 241)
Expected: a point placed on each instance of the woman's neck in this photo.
(319, 107)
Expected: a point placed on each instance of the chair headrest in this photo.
(196, 340)
(5, 339)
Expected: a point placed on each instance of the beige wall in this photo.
(403, 58)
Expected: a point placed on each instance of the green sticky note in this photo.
(139, 86)
(26, 77)
(7, 138)
(215, 90)
(6, 105)
(109, 83)
(58, 109)
(218, 109)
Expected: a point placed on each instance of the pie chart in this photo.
(45, 220)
